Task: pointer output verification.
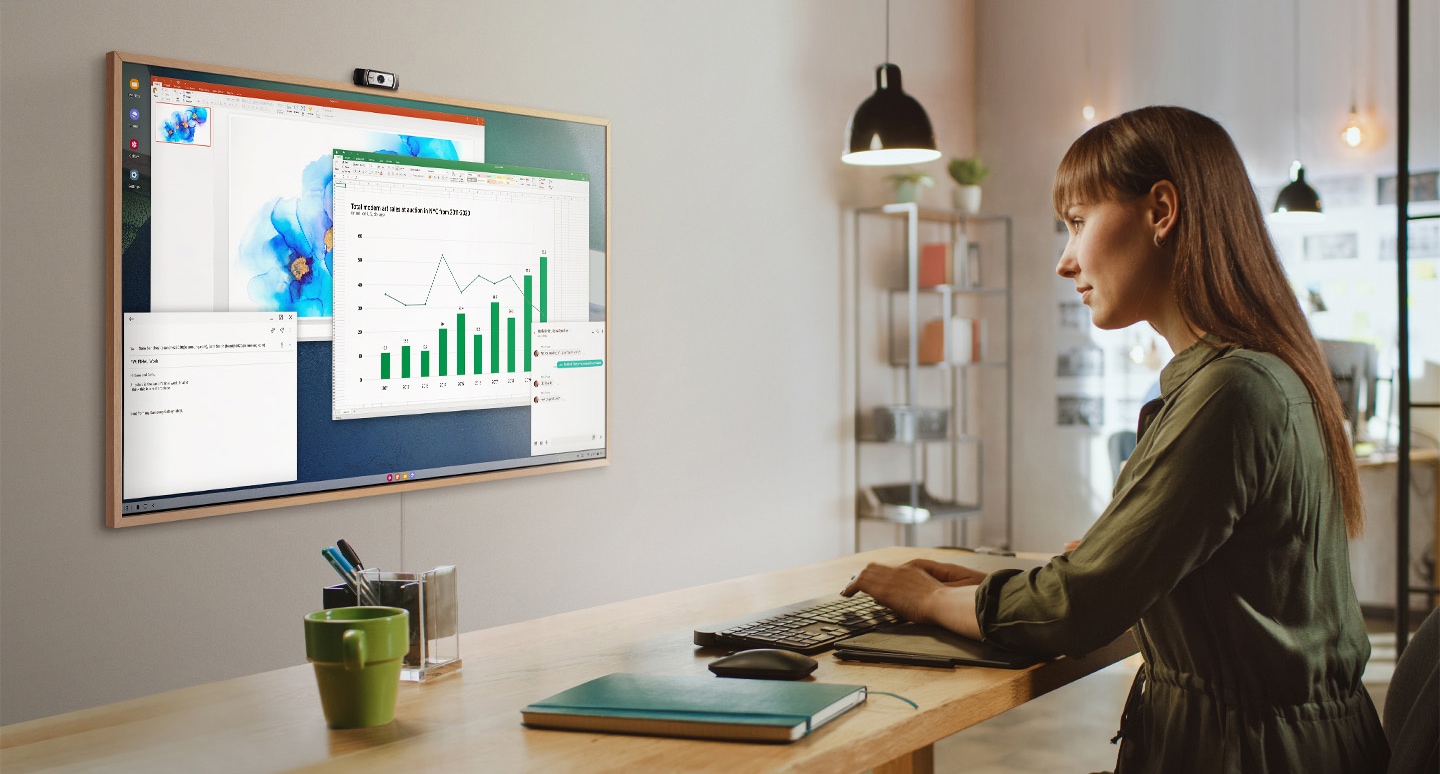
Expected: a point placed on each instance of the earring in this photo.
(1159, 241)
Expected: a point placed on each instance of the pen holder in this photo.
(434, 616)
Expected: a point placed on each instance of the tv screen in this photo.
(321, 291)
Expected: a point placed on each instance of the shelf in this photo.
(892, 442)
(943, 365)
(891, 502)
(954, 289)
(901, 514)
(931, 215)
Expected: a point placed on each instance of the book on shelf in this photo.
(936, 266)
(946, 263)
(692, 706)
(952, 340)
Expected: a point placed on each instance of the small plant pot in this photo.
(907, 192)
(966, 198)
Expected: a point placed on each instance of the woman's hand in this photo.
(924, 591)
(948, 574)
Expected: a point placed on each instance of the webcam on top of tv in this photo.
(377, 78)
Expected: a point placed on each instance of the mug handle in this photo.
(353, 643)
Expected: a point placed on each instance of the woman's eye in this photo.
(1076, 223)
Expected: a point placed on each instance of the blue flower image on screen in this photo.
(182, 124)
(287, 246)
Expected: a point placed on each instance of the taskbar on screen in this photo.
(150, 505)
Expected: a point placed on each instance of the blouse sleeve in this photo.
(1194, 475)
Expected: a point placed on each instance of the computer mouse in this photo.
(764, 664)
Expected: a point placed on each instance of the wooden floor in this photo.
(1069, 730)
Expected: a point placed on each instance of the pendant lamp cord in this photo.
(887, 31)
(1295, 72)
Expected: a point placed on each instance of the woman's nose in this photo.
(1068, 267)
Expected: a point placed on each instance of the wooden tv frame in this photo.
(114, 380)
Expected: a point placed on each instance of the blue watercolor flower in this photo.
(181, 125)
(290, 242)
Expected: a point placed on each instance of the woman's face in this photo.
(1111, 255)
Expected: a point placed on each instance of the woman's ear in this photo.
(1164, 206)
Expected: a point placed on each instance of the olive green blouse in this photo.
(1225, 548)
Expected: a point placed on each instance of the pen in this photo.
(366, 591)
(339, 569)
(905, 659)
(347, 571)
(349, 553)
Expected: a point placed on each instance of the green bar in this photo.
(494, 337)
(544, 291)
(384, 365)
(510, 350)
(424, 362)
(404, 362)
(459, 346)
(479, 353)
(528, 320)
(445, 350)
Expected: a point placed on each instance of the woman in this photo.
(1225, 544)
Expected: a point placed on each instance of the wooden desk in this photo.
(470, 721)
(1422, 456)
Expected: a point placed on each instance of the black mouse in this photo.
(764, 664)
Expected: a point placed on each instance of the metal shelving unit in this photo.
(892, 353)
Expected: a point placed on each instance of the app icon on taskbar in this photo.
(134, 84)
(389, 477)
(134, 114)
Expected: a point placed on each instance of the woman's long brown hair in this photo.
(1227, 278)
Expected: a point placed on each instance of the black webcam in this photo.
(376, 78)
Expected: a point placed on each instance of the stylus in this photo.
(349, 553)
(894, 658)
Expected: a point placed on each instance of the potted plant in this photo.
(968, 174)
(908, 183)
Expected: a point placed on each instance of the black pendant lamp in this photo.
(1297, 201)
(889, 127)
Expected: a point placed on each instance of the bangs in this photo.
(1084, 176)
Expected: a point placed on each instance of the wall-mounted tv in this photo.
(320, 291)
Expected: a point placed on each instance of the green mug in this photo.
(357, 652)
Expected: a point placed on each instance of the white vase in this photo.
(906, 192)
(966, 198)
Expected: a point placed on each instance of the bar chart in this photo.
(433, 323)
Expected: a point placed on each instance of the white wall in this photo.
(1230, 59)
(727, 201)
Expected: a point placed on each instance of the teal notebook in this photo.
(703, 707)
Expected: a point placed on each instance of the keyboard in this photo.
(805, 627)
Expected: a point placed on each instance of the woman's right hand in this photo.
(925, 592)
(948, 574)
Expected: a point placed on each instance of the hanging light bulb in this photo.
(1352, 133)
(1088, 111)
